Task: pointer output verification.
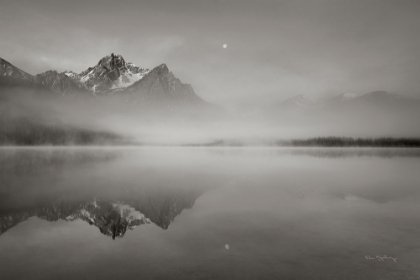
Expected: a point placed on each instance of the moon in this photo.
(224, 46)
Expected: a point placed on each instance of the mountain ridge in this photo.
(9, 70)
(302, 102)
(111, 76)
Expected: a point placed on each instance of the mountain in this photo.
(373, 114)
(375, 98)
(60, 83)
(111, 76)
(381, 96)
(341, 98)
(11, 71)
(12, 77)
(160, 86)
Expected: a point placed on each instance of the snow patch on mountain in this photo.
(70, 74)
(127, 79)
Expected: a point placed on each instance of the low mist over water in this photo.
(34, 119)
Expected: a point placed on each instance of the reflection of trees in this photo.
(352, 142)
(352, 152)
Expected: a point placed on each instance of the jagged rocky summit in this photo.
(110, 74)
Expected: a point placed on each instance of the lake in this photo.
(209, 213)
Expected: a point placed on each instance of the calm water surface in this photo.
(217, 213)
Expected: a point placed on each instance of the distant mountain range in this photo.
(111, 76)
(301, 102)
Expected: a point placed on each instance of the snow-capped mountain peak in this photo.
(110, 73)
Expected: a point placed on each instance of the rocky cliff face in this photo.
(60, 83)
(110, 74)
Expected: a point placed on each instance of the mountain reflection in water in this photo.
(36, 183)
(112, 217)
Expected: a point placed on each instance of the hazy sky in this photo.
(276, 49)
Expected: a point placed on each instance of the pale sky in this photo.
(275, 49)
